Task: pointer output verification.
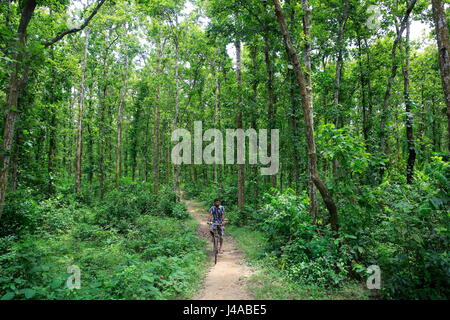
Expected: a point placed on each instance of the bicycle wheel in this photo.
(216, 249)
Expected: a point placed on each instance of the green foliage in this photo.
(124, 247)
(152, 58)
(402, 229)
(342, 145)
(282, 215)
(207, 193)
(235, 217)
(274, 282)
(21, 213)
(306, 252)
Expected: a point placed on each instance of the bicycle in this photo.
(215, 240)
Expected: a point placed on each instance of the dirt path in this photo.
(225, 280)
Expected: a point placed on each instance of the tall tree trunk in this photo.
(295, 133)
(135, 140)
(369, 91)
(168, 170)
(363, 93)
(442, 35)
(103, 88)
(434, 127)
(176, 168)
(147, 144)
(16, 160)
(157, 132)
(254, 52)
(53, 124)
(79, 144)
(216, 118)
(18, 76)
(294, 119)
(270, 93)
(156, 145)
(102, 129)
(312, 162)
(387, 94)
(239, 125)
(337, 83)
(90, 152)
(123, 93)
(409, 116)
(17, 148)
(339, 68)
(305, 91)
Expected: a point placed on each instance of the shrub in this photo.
(158, 257)
(282, 214)
(179, 211)
(21, 213)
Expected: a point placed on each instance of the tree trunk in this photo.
(294, 119)
(270, 94)
(79, 145)
(16, 159)
(337, 83)
(409, 116)
(90, 152)
(239, 125)
(312, 163)
(369, 92)
(102, 130)
(123, 93)
(254, 52)
(295, 133)
(52, 129)
(363, 93)
(387, 94)
(339, 68)
(216, 118)
(305, 90)
(442, 35)
(157, 145)
(176, 168)
(18, 76)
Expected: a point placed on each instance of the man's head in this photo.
(217, 202)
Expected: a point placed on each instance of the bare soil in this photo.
(227, 279)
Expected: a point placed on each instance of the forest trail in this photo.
(226, 280)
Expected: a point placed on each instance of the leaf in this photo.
(8, 296)
(55, 283)
(436, 202)
(29, 293)
(45, 268)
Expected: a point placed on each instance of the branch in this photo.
(74, 30)
(405, 19)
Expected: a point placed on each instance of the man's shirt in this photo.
(217, 213)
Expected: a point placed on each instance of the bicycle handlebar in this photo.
(217, 224)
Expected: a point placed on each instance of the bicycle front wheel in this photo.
(216, 249)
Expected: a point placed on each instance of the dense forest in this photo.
(92, 90)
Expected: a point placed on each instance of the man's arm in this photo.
(210, 216)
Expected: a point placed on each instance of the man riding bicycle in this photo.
(216, 218)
